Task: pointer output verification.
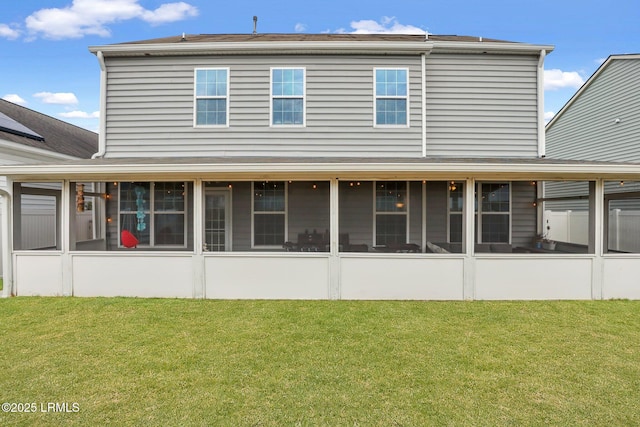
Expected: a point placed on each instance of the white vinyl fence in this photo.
(570, 226)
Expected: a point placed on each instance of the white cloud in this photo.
(92, 17)
(8, 33)
(387, 25)
(300, 28)
(548, 115)
(169, 12)
(557, 79)
(16, 99)
(63, 98)
(80, 115)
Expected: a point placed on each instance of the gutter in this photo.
(302, 47)
(423, 88)
(534, 168)
(102, 132)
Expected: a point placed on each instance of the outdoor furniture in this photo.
(399, 248)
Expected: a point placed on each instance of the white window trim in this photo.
(304, 98)
(196, 97)
(376, 97)
(375, 212)
(480, 213)
(152, 214)
(285, 213)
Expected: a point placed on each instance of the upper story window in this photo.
(212, 97)
(287, 96)
(391, 106)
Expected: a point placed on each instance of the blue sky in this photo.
(46, 66)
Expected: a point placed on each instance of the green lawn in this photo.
(333, 363)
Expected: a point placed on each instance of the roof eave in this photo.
(326, 169)
(272, 47)
(490, 47)
(317, 47)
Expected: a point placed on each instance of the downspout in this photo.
(7, 270)
(102, 132)
(424, 105)
(541, 136)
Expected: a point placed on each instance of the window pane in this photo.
(137, 224)
(135, 196)
(268, 229)
(169, 196)
(495, 197)
(269, 196)
(391, 196)
(169, 229)
(495, 228)
(211, 83)
(211, 111)
(455, 228)
(391, 229)
(391, 111)
(287, 82)
(288, 111)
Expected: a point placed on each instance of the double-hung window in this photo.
(154, 212)
(391, 222)
(269, 204)
(288, 97)
(391, 97)
(494, 212)
(211, 97)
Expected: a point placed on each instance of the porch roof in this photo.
(254, 168)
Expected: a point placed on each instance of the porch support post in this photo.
(7, 247)
(198, 240)
(334, 250)
(17, 214)
(468, 231)
(68, 207)
(596, 235)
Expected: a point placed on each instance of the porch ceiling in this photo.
(322, 168)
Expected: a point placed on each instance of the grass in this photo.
(334, 363)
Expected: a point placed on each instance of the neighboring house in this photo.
(600, 122)
(326, 166)
(27, 136)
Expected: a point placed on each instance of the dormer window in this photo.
(287, 96)
(211, 97)
(392, 95)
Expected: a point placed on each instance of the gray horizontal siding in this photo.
(586, 130)
(150, 108)
(482, 105)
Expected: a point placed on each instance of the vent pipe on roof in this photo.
(255, 25)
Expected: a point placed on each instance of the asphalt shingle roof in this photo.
(59, 136)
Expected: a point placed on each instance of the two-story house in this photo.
(324, 166)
